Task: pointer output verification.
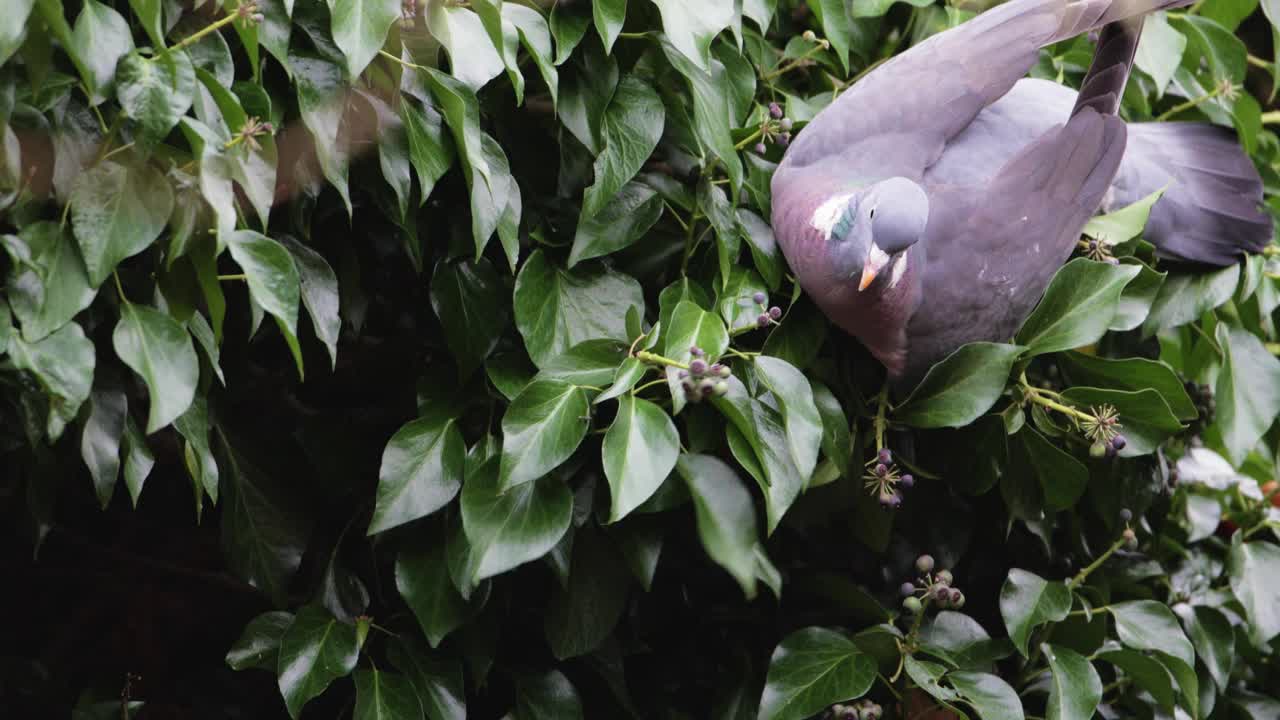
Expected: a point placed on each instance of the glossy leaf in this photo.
(542, 427)
(1248, 390)
(63, 365)
(319, 289)
(385, 696)
(315, 650)
(156, 347)
(421, 472)
(958, 390)
(472, 305)
(1028, 601)
(726, 516)
(100, 440)
(155, 92)
(632, 126)
(1254, 569)
(1075, 690)
(1077, 307)
(639, 452)
(51, 286)
(990, 696)
(117, 211)
(508, 529)
(812, 669)
(360, 28)
(259, 643)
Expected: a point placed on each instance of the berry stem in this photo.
(195, 37)
(645, 356)
(1042, 397)
(1083, 575)
(882, 409)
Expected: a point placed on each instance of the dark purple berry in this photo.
(1126, 515)
(1109, 450)
(775, 110)
(907, 481)
(907, 589)
(944, 577)
(706, 387)
(784, 140)
(698, 366)
(881, 470)
(955, 596)
(895, 502)
(1118, 442)
(682, 374)
(695, 351)
(775, 312)
(759, 297)
(884, 456)
(762, 320)
(958, 602)
(759, 148)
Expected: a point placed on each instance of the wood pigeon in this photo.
(931, 204)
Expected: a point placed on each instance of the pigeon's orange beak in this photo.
(868, 276)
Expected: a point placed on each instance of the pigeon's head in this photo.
(871, 228)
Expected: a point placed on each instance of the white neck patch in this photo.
(828, 214)
(899, 268)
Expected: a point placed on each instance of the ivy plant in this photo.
(435, 358)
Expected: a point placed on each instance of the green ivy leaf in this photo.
(556, 309)
(1212, 636)
(639, 452)
(837, 440)
(1184, 297)
(360, 28)
(812, 669)
(315, 650)
(1130, 374)
(431, 149)
(726, 516)
(438, 682)
(1076, 690)
(1077, 308)
(712, 109)
(1247, 391)
(472, 305)
(619, 224)
(422, 578)
(632, 126)
(1063, 479)
(156, 347)
(263, 537)
(385, 696)
(319, 289)
(507, 529)
(100, 38)
(1138, 296)
(421, 472)
(691, 27)
(799, 413)
(259, 643)
(193, 425)
(1124, 224)
(541, 428)
(763, 245)
(1150, 625)
(473, 58)
(155, 91)
(1028, 601)
(990, 696)
(100, 440)
(1160, 50)
(581, 616)
(547, 696)
(62, 363)
(833, 16)
(535, 37)
(138, 459)
(51, 285)
(13, 31)
(958, 390)
(272, 278)
(1254, 569)
(117, 211)
(1146, 672)
(322, 99)
(610, 16)
(568, 28)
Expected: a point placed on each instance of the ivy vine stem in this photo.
(1045, 398)
(645, 356)
(1084, 573)
(198, 35)
(882, 409)
(1219, 89)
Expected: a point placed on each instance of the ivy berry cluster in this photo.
(885, 482)
(862, 710)
(931, 587)
(703, 380)
(1103, 429)
(775, 129)
(767, 316)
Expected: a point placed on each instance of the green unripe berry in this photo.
(924, 563)
(912, 605)
(1098, 450)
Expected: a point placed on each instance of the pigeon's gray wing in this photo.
(990, 258)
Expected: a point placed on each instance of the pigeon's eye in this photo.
(872, 216)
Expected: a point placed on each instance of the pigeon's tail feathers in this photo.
(1211, 211)
(1081, 16)
(1104, 85)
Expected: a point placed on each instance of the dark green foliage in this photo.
(542, 428)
